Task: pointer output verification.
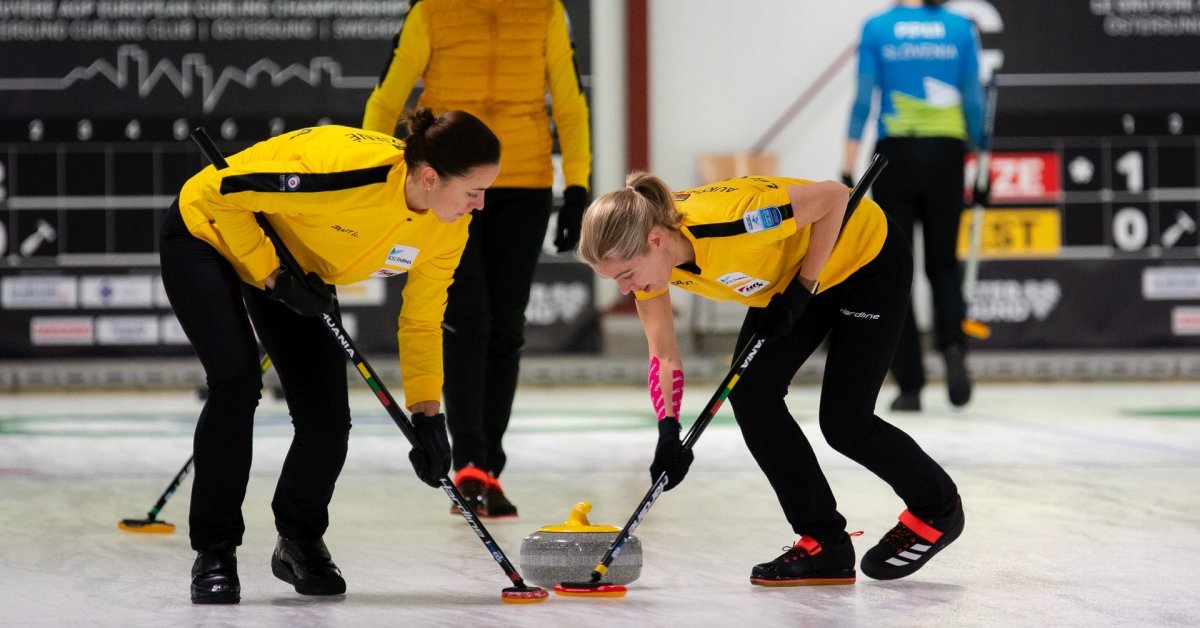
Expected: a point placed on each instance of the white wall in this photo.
(722, 72)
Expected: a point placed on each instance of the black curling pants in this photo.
(216, 309)
(485, 312)
(862, 318)
(924, 183)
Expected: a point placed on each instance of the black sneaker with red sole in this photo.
(910, 545)
(808, 563)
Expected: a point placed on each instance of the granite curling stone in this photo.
(568, 552)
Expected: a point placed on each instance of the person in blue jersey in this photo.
(924, 62)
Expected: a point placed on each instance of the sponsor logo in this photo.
(753, 352)
(1171, 282)
(352, 233)
(919, 30)
(751, 287)
(762, 219)
(1012, 301)
(682, 282)
(402, 256)
(734, 278)
(681, 196)
(866, 315)
(40, 293)
(116, 291)
(61, 330)
(1185, 321)
(126, 330)
(289, 182)
(382, 273)
(341, 336)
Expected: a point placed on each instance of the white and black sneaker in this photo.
(909, 545)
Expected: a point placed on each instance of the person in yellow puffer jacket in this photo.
(495, 59)
(348, 204)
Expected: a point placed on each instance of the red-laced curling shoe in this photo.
(472, 482)
(909, 545)
(808, 563)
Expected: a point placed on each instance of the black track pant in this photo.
(486, 315)
(215, 309)
(862, 318)
(924, 183)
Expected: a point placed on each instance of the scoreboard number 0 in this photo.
(1130, 229)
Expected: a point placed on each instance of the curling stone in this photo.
(568, 552)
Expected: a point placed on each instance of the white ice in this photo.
(1081, 501)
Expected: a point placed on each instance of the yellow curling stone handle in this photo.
(578, 522)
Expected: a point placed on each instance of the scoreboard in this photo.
(1092, 236)
(94, 125)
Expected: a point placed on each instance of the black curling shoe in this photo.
(808, 563)
(306, 565)
(214, 576)
(911, 543)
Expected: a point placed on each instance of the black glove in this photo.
(431, 459)
(981, 195)
(848, 179)
(783, 311)
(308, 296)
(570, 217)
(669, 454)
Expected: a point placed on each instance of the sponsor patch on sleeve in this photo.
(732, 279)
(762, 219)
(751, 287)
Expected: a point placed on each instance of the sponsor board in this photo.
(1185, 321)
(45, 331)
(116, 291)
(38, 293)
(127, 330)
(1171, 282)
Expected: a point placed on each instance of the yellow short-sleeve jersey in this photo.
(749, 247)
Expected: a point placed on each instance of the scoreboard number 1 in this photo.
(1132, 167)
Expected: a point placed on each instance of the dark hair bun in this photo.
(419, 121)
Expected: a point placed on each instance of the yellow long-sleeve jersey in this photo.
(335, 194)
(749, 247)
(495, 59)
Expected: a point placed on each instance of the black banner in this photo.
(97, 98)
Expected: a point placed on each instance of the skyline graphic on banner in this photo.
(193, 75)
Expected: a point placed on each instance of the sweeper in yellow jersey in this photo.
(349, 204)
(773, 244)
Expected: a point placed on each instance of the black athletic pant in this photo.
(862, 318)
(486, 315)
(924, 183)
(215, 309)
